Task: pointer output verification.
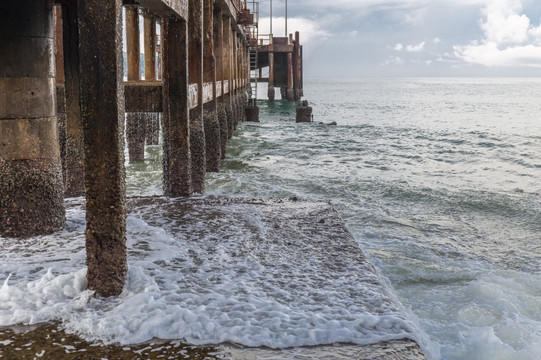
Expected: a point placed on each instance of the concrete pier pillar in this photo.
(135, 134)
(220, 77)
(102, 103)
(197, 132)
(177, 163)
(152, 120)
(74, 153)
(271, 92)
(297, 67)
(152, 128)
(135, 122)
(31, 190)
(210, 118)
(304, 112)
(290, 93)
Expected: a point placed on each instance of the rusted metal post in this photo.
(74, 156)
(152, 120)
(177, 167)
(135, 122)
(220, 76)
(31, 190)
(102, 102)
(197, 132)
(211, 122)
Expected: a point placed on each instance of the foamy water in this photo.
(208, 276)
(437, 179)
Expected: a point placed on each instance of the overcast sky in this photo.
(358, 38)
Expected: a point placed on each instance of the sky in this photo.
(380, 38)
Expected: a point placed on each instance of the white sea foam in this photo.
(237, 285)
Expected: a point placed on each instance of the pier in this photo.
(65, 108)
(81, 80)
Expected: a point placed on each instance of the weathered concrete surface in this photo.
(74, 152)
(31, 189)
(224, 128)
(301, 227)
(304, 112)
(135, 134)
(212, 140)
(152, 129)
(176, 130)
(102, 104)
(252, 113)
(197, 150)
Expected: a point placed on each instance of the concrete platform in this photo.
(302, 254)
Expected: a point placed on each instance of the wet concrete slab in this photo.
(273, 232)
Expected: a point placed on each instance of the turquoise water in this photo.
(439, 182)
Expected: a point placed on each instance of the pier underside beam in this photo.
(31, 188)
(100, 30)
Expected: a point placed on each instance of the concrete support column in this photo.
(228, 75)
(31, 190)
(152, 120)
(177, 163)
(297, 67)
(197, 132)
(211, 123)
(271, 92)
(102, 102)
(74, 153)
(135, 122)
(60, 90)
(220, 77)
(290, 93)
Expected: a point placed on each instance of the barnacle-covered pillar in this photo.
(102, 104)
(31, 189)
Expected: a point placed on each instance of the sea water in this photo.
(437, 179)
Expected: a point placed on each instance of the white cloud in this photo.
(416, 48)
(436, 40)
(311, 32)
(398, 47)
(393, 60)
(510, 39)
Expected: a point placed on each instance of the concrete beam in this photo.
(163, 8)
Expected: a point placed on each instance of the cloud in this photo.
(393, 60)
(509, 38)
(436, 40)
(309, 30)
(398, 47)
(416, 48)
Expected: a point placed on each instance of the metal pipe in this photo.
(271, 18)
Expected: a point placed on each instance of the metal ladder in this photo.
(254, 74)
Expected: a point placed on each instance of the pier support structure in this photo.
(199, 60)
(31, 188)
